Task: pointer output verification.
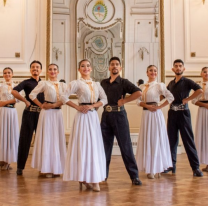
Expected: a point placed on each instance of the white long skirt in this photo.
(85, 159)
(9, 134)
(153, 150)
(50, 146)
(201, 135)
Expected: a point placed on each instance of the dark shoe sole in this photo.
(195, 175)
(19, 173)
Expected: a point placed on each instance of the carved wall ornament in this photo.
(156, 25)
(82, 20)
(100, 10)
(57, 52)
(141, 52)
(99, 43)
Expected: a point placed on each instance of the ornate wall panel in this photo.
(23, 34)
(61, 6)
(100, 33)
(196, 18)
(61, 44)
(12, 35)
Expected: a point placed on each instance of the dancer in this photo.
(85, 160)
(153, 149)
(9, 126)
(30, 114)
(50, 146)
(114, 118)
(179, 117)
(201, 130)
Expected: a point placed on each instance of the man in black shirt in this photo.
(179, 118)
(114, 118)
(30, 114)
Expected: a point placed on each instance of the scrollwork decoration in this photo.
(141, 52)
(57, 52)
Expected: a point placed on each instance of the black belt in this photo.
(149, 103)
(110, 108)
(33, 108)
(178, 107)
(85, 103)
(10, 105)
(53, 103)
(89, 104)
(203, 101)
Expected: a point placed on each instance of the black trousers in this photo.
(116, 124)
(29, 125)
(181, 121)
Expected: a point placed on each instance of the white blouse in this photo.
(202, 96)
(5, 92)
(49, 90)
(154, 92)
(83, 92)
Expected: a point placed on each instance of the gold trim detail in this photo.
(26, 77)
(162, 41)
(48, 35)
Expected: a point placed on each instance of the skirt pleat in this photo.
(49, 151)
(9, 134)
(85, 159)
(153, 149)
(201, 135)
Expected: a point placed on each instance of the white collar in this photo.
(86, 80)
(54, 82)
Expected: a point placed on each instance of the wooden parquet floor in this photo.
(181, 189)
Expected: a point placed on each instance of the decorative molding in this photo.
(187, 26)
(193, 73)
(143, 11)
(21, 60)
(119, 20)
(122, 30)
(64, 5)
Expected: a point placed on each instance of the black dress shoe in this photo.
(173, 169)
(197, 173)
(19, 171)
(136, 181)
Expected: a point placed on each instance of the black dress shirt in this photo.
(28, 85)
(117, 88)
(181, 89)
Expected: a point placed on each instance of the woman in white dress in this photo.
(85, 161)
(50, 146)
(153, 151)
(9, 126)
(201, 130)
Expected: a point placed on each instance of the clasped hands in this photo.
(84, 108)
(153, 108)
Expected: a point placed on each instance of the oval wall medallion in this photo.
(100, 11)
(99, 43)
